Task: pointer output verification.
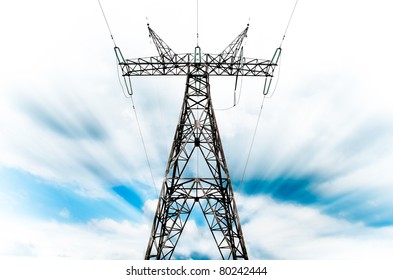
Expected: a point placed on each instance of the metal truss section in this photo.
(196, 176)
(196, 173)
(211, 64)
(228, 63)
(165, 52)
(229, 54)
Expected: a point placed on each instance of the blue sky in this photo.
(74, 181)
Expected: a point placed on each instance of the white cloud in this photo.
(272, 231)
(98, 239)
(197, 240)
(287, 231)
(64, 213)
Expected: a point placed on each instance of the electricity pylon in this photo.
(196, 172)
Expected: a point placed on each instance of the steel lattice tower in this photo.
(197, 174)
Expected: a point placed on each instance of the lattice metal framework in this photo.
(196, 174)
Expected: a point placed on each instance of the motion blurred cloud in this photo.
(318, 181)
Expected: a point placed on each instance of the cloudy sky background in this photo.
(74, 181)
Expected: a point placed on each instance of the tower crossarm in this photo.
(185, 63)
(230, 62)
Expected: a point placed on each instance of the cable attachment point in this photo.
(123, 65)
(273, 64)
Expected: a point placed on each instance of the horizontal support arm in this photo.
(182, 64)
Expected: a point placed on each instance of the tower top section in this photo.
(230, 62)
